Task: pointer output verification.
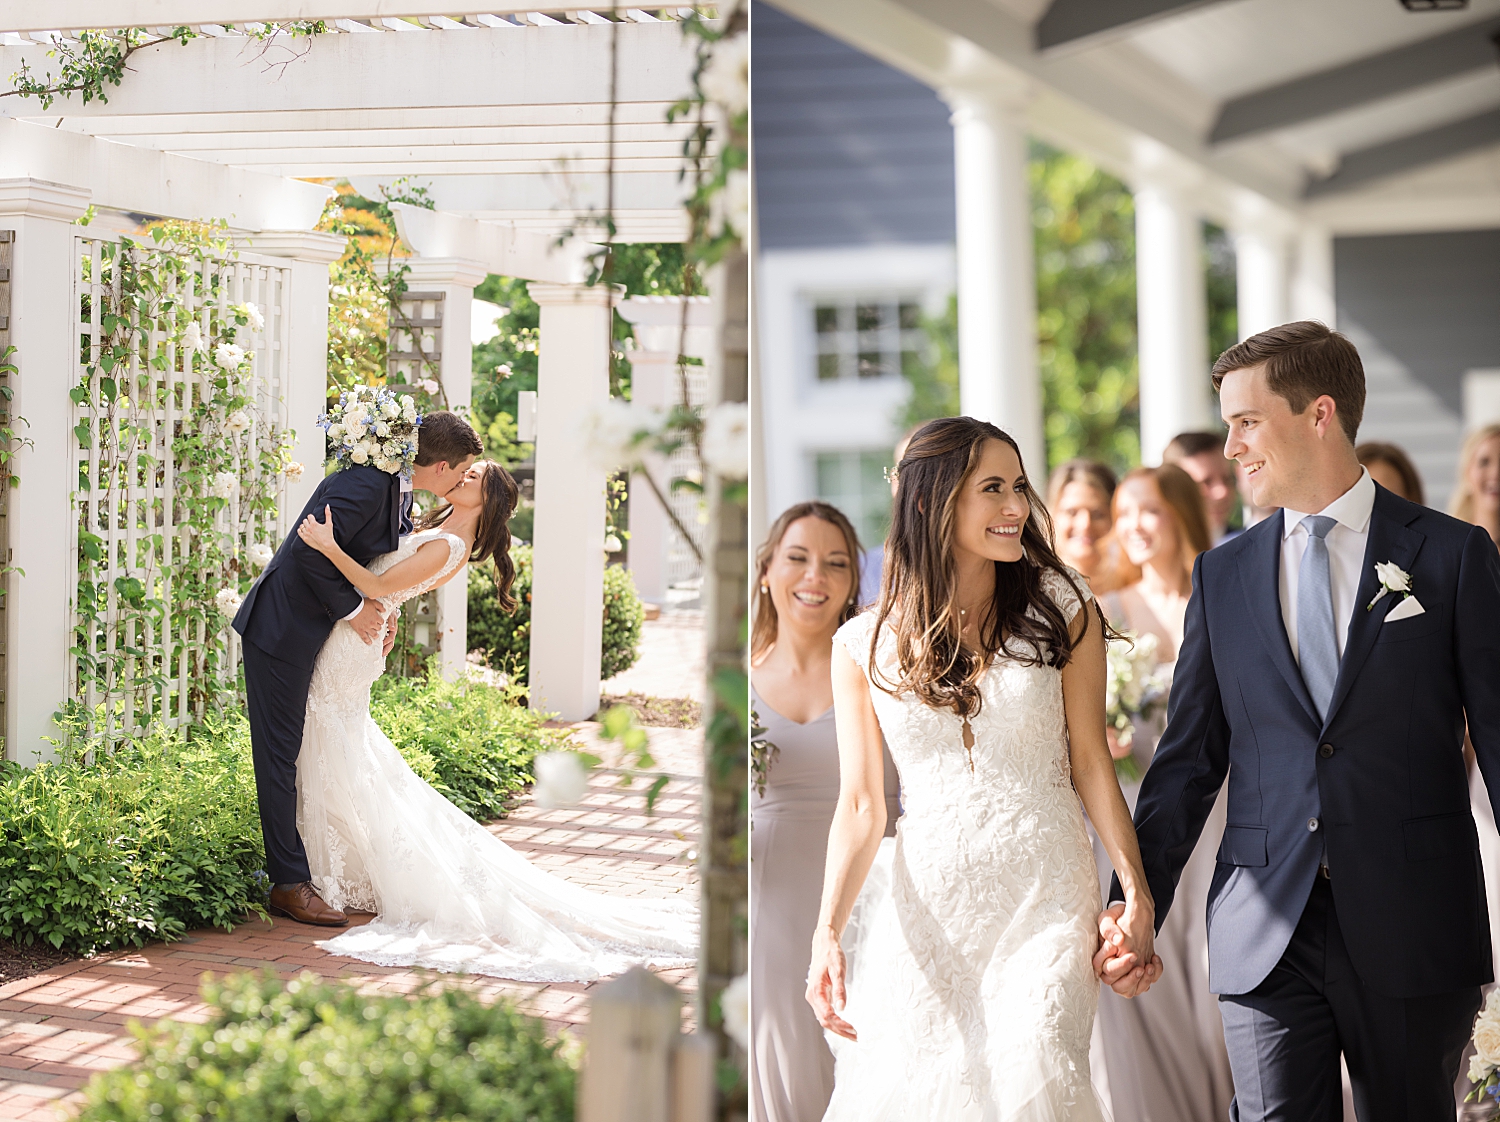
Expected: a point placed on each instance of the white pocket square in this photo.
(1405, 610)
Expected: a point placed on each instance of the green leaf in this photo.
(108, 388)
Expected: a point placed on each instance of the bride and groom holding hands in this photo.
(347, 824)
(1334, 656)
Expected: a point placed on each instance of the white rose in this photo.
(224, 484)
(733, 203)
(354, 416)
(293, 471)
(408, 409)
(382, 429)
(616, 428)
(229, 356)
(260, 554)
(612, 543)
(391, 409)
(359, 455)
(256, 321)
(1487, 1039)
(561, 779)
(335, 432)
(236, 423)
(726, 78)
(430, 385)
(1392, 576)
(192, 338)
(734, 1003)
(228, 602)
(726, 439)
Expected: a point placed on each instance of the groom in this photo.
(1347, 911)
(290, 611)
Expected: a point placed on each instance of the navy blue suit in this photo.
(1383, 958)
(285, 620)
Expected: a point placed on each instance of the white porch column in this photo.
(998, 376)
(43, 327)
(455, 278)
(305, 394)
(567, 590)
(1312, 276)
(654, 381)
(1171, 314)
(1262, 277)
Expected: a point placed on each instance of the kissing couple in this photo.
(1335, 657)
(347, 823)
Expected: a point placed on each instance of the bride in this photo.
(974, 987)
(450, 895)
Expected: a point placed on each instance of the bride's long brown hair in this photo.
(498, 494)
(920, 579)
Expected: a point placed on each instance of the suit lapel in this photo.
(395, 504)
(1261, 577)
(1390, 540)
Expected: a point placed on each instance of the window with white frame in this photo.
(860, 338)
(854, 481)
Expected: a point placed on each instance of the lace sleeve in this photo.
(1055, 585)
(458, 551)
(854, 637)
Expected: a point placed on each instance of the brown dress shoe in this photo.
(302, 903)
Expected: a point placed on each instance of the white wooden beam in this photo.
(500, 249)
(28, 15)
(158, 183)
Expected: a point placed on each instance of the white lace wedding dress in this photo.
(450, 895)
(973, 990)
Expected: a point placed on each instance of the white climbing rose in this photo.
(726, 439)
(229, 356)
(561, 779)
(726, 78)
(734, 1002)
(616, 429)
(228, 601)
(224, 484)
(260, 554)
(236, 423)
(192, 338)
(252, 315)
(293, 471)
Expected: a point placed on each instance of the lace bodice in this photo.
(974, 992)
(458, 552)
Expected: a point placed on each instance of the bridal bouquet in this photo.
(1133, 691)
(373, 425)
(1484, 1064)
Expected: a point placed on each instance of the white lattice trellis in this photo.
(178, 473)
(687, 505)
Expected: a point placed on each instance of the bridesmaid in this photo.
(1079, 495)
(1163, 1053)
(806, 588)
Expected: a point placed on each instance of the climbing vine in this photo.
(181, 462)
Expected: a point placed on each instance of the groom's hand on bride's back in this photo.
(369, 622)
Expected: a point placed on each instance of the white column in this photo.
(1171, 315)
(455, 278)
(655, 381)
(1312, 276)
(305, 394)
(998, 374)
(1262, 280)
(44, 331)
(567, 590)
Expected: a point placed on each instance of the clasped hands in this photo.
(1126, 961)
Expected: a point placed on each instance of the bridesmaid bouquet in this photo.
(762, 755)
(373, 425)
(1133, 691)
(1484, 1065)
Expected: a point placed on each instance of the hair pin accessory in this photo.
(890, 474)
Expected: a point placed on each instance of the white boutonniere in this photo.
(1393, 578)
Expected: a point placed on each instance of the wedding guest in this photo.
(1161, 1056)
(1201, 455)
(1392, 468)
(1079, 496)
(1477, 497)
(805, 589)
(872, 561)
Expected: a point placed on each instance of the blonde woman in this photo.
(1161, 1058)
(1477, 497)
(806, 587)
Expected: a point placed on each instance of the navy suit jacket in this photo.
(1381, 777)
(294, 603)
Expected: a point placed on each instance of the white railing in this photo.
(178, 474)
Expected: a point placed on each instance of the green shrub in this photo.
(159, 838)
(312, 1052)
(163, 836)
(506, 639)
(472, 742)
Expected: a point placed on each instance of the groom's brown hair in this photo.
(446, 437)
(1304, 360)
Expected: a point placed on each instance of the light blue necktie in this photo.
(1317, 643)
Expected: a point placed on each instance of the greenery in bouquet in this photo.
(373, 425)
(1133, 692)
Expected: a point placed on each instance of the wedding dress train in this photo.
(450, 895)
(972, 987)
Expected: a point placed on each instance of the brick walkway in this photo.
(59, 1027)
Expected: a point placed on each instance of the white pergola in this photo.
(1287, 122)
(505, 115)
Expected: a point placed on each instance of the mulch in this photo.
(18, 961)
(656, 712)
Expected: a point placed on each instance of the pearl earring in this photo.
(764, 588)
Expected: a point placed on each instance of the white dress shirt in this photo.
(1346, 556)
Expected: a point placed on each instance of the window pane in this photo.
(911, 364)
(911, 316)
(871, 364)
(855, 483)
(826, 317)
(828, 368)
(867, 317)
